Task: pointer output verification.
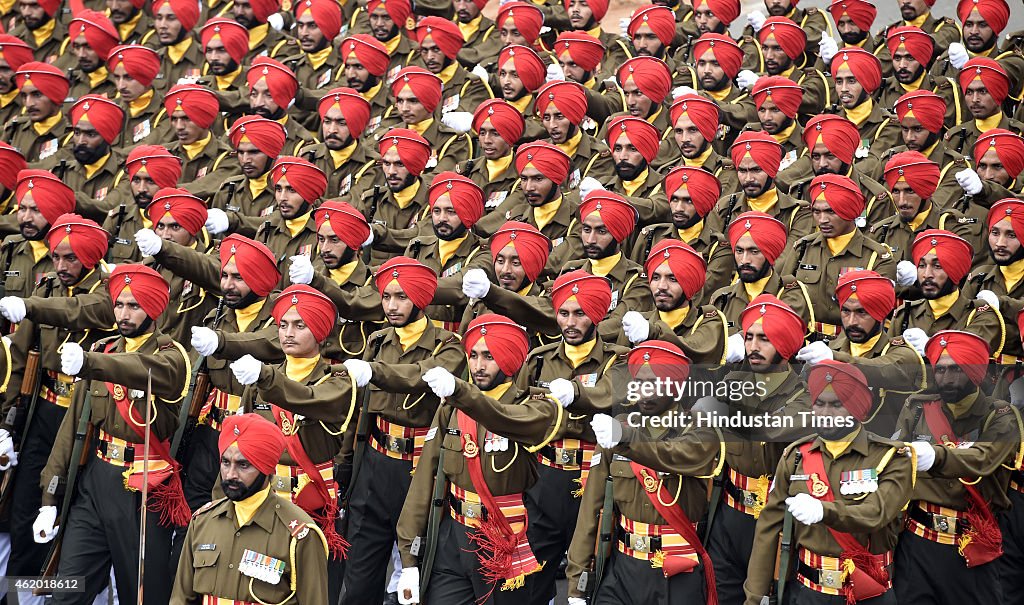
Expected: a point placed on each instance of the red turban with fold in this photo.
(614, 210)
(50, 6)
(954, 252)
(584, 50)
(1009, 147)
(724, 49)
(767, 232)
(665, 359)
(254, 260)
(650, 74)
(466, 196)
(418, 281)
(995, 12)
(1011, 209)
(568, 97)
(503, 116)
(507, 341)
(702, 112)
(598, 7)
(105, 115)
(353, 107)
(914, 39)
(369, 52)
(790, 36)
(783, 327)
(530, 244)
(231, 33)
(51, 195)
(140, 62)
(99, 31)
(761, 147)
(785, 93)
(200, 104)
(639, 132)
(990, 72)
(860, 12)
(398, 10)
(259, 440)
(303, 176)
(686, 264)
(11, 164)
(186, 11)
(315, 309)
(841, 194)
(147, 286)
(413, 149)
(348, 224)
(848, 383)
(918, 171)
(266, 135)
(865, 66)
(14, 51)
(50, 80)
(424, 85)
(161, 165)
(88, 240)
(262, 9)
(444, 33)
(839, 135)
(551, 161)
(326, 15)
(660, 19)
(184, 208)
(526, 63)
(969, 351)
(704, 188)
(280, 80)
(525, 16)
(725, 10)
(925, 106)
(876, 293)
(593, 293)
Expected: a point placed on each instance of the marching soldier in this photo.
(439, 42)
(918, 14)
(652, 30)
(562, 108)
(579, 56)
(39, 132)
(777, 100)
(349, 166)
(854, 19)
(39, 28)
(985, 85)
(13, 54)
(498, 126)
(387, 21)
(718, 60)
(291, 230)
(93, 165)
(272, 87)
(998, 157)
(148, 169)
(478, 31)
(981, 24)
(695, 127)
(264, 41)
(521, 72)
(225, 43)
(811, 20)
(757, 241)
(317, 24)
(191, 111)
(366, 63)
(783, 45)
(586, 15)
(634, 143)
(133, 25)
(133, 69)
(181, 56)
(911, 51)
(645, 84)
(92, 36)
(858, 76)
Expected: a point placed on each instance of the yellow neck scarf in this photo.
(545, 213)
(146, 223)
(755, 289)
(404, 197)
(986, 124)
(523, 104)
(92, 169)
(700, 159)
(720, 95)
(370, 94)
(246, 509)
(577, 354)
(257, 35)
(860, 113)
(919, 20)
(603, 266)
(134, 344)
(783, 135)
(339, 157)
(571, 144)
(631, 187)
(342, 273)
(175, 52)
(194, 149)
(421, 127)
(140, 104)
(916, 84)
(447, 248)
(498, 167)
(674, 317)
(690, 234)
(39, 250)
(963, 406)
(44, 126)
(258, 185)
(245, 317)
(836, 448)
(392, 44)
(497, 392)
(409, 334)
(98, 77)
(837, 244)
(764, 202)
(226, 81)
(318, 58)
(1012, 274)
(127, 28)
(468, 29)
(920, 218)
(860, 350)
(297, 224)
(43, 34)
(448, 73)
(9, 98)
(940, 306)
(299, 368)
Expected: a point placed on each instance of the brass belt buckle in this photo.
(944, 523)
(393, 444)
(831, 578)
(472, 510)
(565, 456)
(641, 543)
(751, 499)
(113, 452)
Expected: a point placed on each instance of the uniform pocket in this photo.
(204, 562)
(623, 482)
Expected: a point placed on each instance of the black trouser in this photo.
(929, 572)
(455, 577)
(629, 581)
(103, 530)
(1011, 564)
(552, 509)
(729, 545)
(376, 503)
(798, 594)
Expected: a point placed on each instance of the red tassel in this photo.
(168, 499)
(985, 536)
(710, 585)
(495, 549)
(337, 545)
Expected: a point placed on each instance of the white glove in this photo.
(204, 340)
(589, 184)
(958, 55)
(554, 73)
(7, 449)
(480, 72)
(624, 26)
(409, 586)
(71, 358)
(187, 80)
(369, 239)
(577, 601)
(925, 455)
(301, 269)
(360, 370)
(906, 273)
(806, 508)
(735, 349)
(679, 91)
(43, 529)
(990, 297)
(827, 48)
(816, 352)
(13, 308)
(746, 79)
(636, 328)
(461, 121)
(440, 381)
(216, 221)
(562, 390)
(969, 181)
(475, 283)
(149, 242)
(246, 369)
(917, 338)
(756, 20)
(276, 21)
(607, 430)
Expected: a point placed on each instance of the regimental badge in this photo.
(818, 487)
(469, 447)
(119, 393)
(651, 483)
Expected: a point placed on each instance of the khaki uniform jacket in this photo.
(81, 85)
(275, 234)
(897, 235)
(811, 20)
(97, 195)
(21, 271)
(472, 253)
(358, 173)
(793, 213)
(593, 159)
(189, 66)
(943, 30)
(894, 370)
(702, 334)
(496, 190)
(50, 50)
(245, 213)
(797, 178)
(971, 315)
(711, 245)
(946, 87)
(204, 174)
(36, 147)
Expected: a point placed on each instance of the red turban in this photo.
(530, 244)
(11, 164)
(105, 115)
(789, 337)
(640, 133)
(348, 224)
(14, 51)
(50, 6)
(995, 12)
(98, 29)
(724, 49)
(413, 149)
(466, 196)
(686, 264)
(231, 33)
(262, 9)
(445, 34)
(369, 52)
(398, 10)
(584, 50)
(704, 188)
(865, 66)
(665, 359)
(506, 341)
(88, 240)
(702, 112)
(424, 85)
(593, 293)
(326, 15)
(254, 260)
(841, 194)
(53, 197)
(614, 210)
(785, 93)
(875, 293)
(302, 175)
(503, 116)
(768, 233)
(1009, 147)
(598, 7)
(953, 251)
(914, 39)
(199, 103)
(725, 10)
(790, 36)
(184, 208)
(354, 108)
(660, 19)
(839, 135)
(925, 106)
(259, 440)
(526, 17)
(161, 165)
(651, 75)
(992, 75)
(551, 161)
(316, 310)
(848, 383)
(969, 351)
(50, 80)
(266, 135)
(280, 79)
(140, 62)
(860, 12)
(1011, 209)
(417, 280)
(568, 97)
(186, 11)
(760, 146)
(527, 64)
(147, 286)
(918, 171)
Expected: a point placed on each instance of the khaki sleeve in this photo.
(581, 549)
(412, 523)
(880, 507)
(361, 304)
(91, 311)
(691, 454)
(182, 592)
(311, 566)
(201, 269)
(536, 313)
(532, 422)
(262, 344)
(329, 401)
(998, 442)
(407, 377)
(761, 567)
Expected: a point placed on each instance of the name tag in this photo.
(122, 241)
(805, 267)
(12, 273)
(431, 434)
(207, 547)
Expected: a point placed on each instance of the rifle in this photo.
(603, 544)
(730, 209)
(122, 211)
(362, 434)
(192, 407)
(62, 169)
(785, 548)
(437, 500)
(374, 202)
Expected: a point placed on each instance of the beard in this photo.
(236, 491)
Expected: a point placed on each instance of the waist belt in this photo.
(212, 600)
(56, 388)
(119, 452)
(467, 509)
(826, 574)
(826, 329)
(397, 441)
(567, 454)
(289, 480)
(1006, 360)
(644, 541)
(936, 523)
(218, 406)
(746, 494)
